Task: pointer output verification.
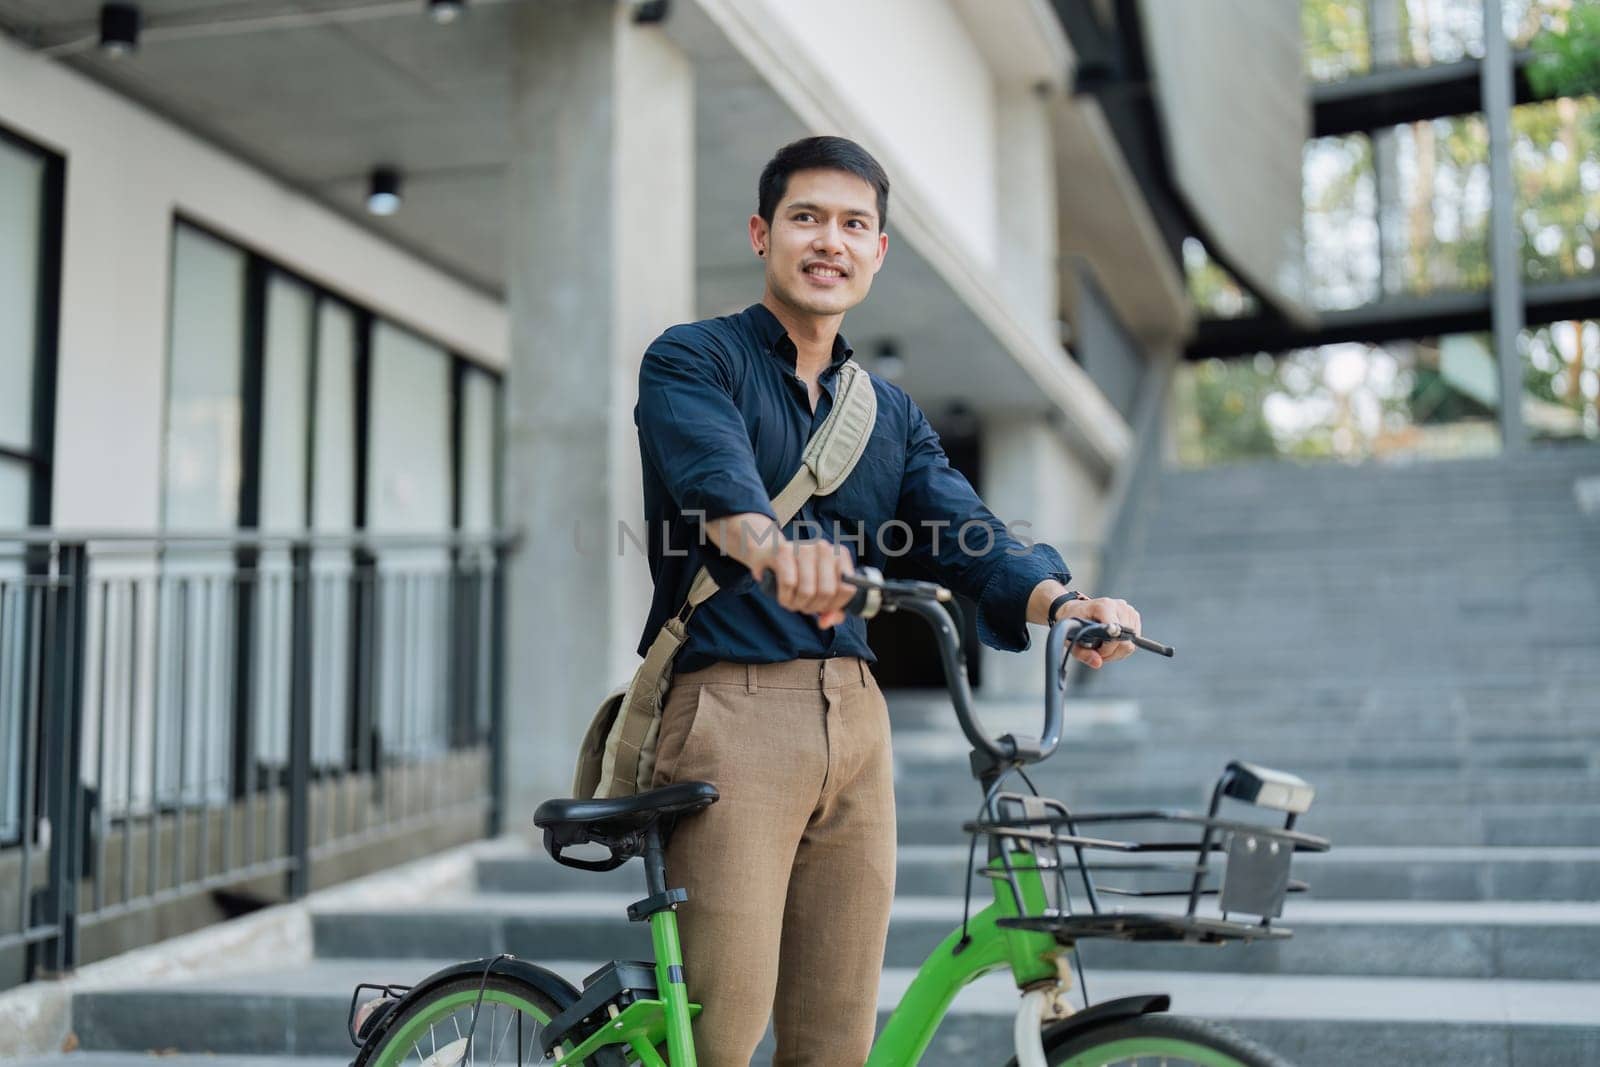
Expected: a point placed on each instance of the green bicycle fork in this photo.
(980, 947)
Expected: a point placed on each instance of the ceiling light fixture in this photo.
(383, 193)
(119, 29)
(445, 12)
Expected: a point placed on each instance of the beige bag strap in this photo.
(830, 456)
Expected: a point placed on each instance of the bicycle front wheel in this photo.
(434, 1030)
(1157, 1041)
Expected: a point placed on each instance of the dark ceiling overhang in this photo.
(1408, 94)
(1393, 320)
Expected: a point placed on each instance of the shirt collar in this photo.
(775, 339)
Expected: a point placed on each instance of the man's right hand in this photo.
(810, 576)
(810, 573)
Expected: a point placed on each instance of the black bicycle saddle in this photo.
(618, 823)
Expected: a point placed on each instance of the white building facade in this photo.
(204, 332)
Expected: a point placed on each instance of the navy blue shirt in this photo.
(723, 420)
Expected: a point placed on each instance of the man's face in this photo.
(824, 245)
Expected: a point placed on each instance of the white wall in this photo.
(1030, 474)
(1235, 117)
(916, 77)
(128, 172)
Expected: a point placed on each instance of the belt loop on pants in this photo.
(750, 685)
(861, 667)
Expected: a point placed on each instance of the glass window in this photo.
(21, 214)
(1555, 168)
(480, 417)
(1561, 380)
(1215, 292)
(203, 407)
(1349, 37)
(1336, 41)
(1434, 197)
(408, 488)
(284, 403)
(1341, 225)
(1434, 397)
(14, 479)
(333, 485)
(333, 511)
(1524, 19)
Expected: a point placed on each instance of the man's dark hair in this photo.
(820, 153)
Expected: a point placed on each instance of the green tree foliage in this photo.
(1434, 175)
(1556, 170)
(1224, 411)
(1566, 62)
(1335, 34)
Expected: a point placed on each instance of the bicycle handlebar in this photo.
(875, 593)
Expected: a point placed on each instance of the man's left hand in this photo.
(1104, 609)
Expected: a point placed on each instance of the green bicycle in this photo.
(505, 1009)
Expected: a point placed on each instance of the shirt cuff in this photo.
(717, 498)
(1003, 605)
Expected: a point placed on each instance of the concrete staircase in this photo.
(1333, 622)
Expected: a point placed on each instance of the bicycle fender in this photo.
(1105, 1013)
(543, 979)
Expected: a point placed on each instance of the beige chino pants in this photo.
(791, 873)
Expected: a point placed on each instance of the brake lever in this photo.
(1112, 632)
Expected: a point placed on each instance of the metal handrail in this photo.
(288, 712)
(44, 536)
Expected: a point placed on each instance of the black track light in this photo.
(383, 193)
(445, 12)
(119, 29)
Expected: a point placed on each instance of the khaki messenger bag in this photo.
(618, 757)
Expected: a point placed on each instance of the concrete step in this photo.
(1115, 787)
(1361, 873)
(1476, 940)
(1158, 723)
(1160, 757)
(1360, 824)
(1317, 1021)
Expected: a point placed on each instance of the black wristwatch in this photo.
(1065, 598)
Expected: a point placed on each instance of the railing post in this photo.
(497, 692)
(61, 662)
(299, 809)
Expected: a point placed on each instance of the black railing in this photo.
(191, 726)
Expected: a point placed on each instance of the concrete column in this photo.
(1383, 33)
(1030, 474)
(1025, 176)
(600, 221)
(1505, 270)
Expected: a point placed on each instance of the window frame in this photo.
(39, 457)
(259, 269)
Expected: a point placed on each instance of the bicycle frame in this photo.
(977, 948)
(647, 1024)
(967, 954)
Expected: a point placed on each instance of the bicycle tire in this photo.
(1173, 1040)
(506, 1002)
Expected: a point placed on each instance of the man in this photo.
(790, 875)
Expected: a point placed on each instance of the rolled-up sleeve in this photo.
(691, 430)
(962, 541)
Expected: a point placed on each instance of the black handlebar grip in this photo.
(857, 605)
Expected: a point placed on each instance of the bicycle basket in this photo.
(1165, 859)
